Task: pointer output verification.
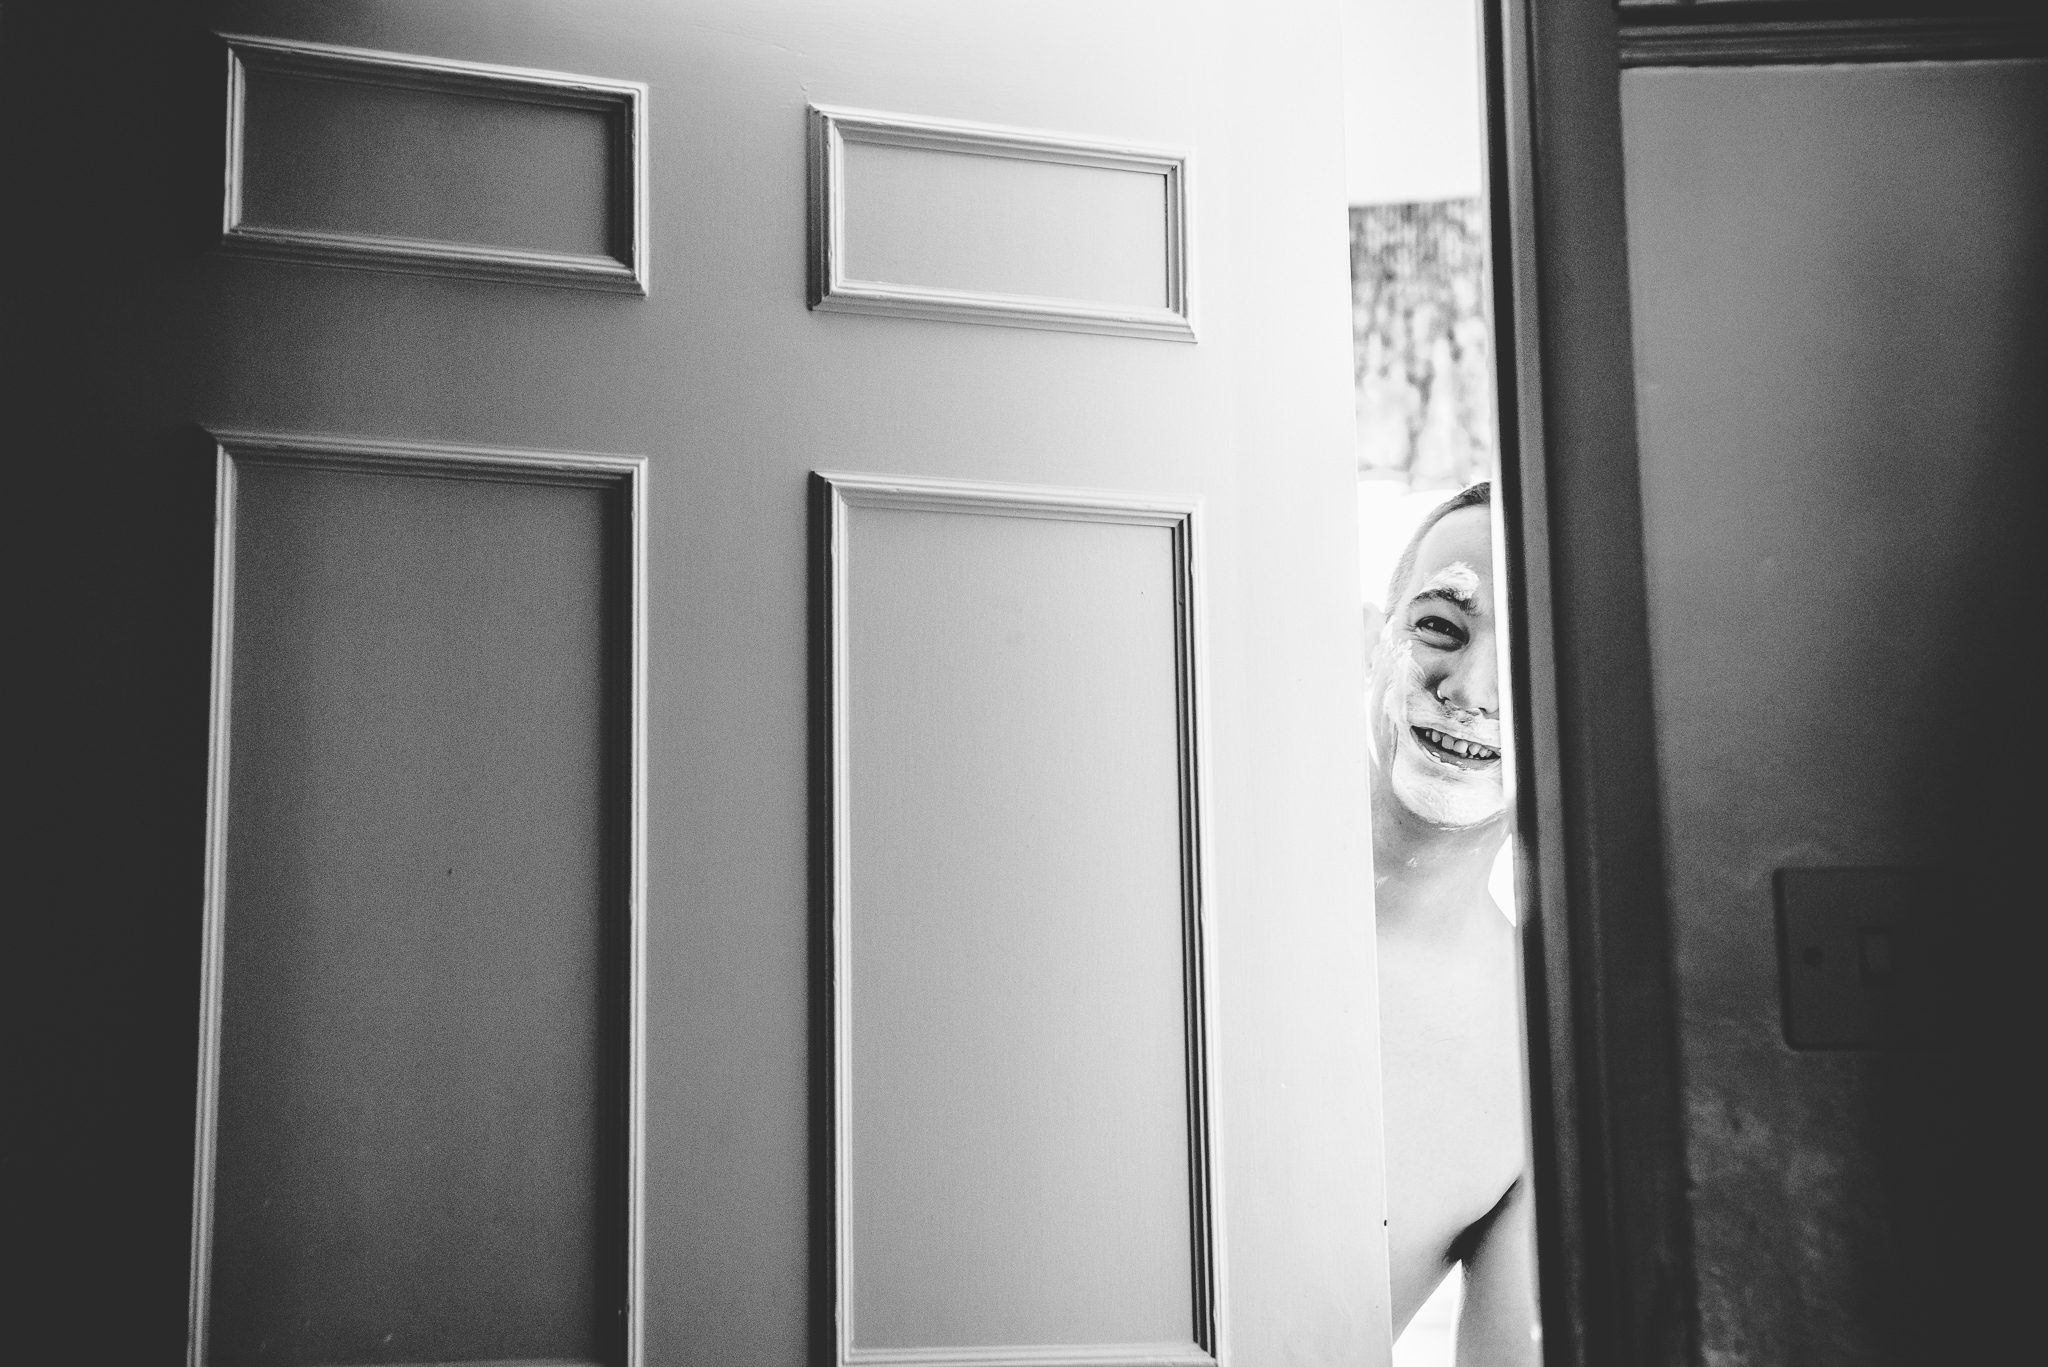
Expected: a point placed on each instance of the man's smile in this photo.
(1454, 750)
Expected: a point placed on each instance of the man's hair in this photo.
(1478, 496)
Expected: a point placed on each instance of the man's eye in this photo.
(1438, 626)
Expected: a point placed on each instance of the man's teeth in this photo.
(1457, 745)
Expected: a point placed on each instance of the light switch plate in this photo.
(1866, 957)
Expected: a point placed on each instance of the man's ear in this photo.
(1375, 628)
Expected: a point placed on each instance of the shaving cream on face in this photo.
(1456, 577)
(1440, 793)
(1386, 664)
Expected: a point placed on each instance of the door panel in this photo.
(734, 392)
(398, 161)
(415, 1027)
(1021, 1134)
(939, 218)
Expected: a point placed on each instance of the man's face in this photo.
(1436, 684)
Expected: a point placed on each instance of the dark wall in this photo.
(1837, 278)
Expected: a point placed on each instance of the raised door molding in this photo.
(622, 265)
(836, 287)
(838, 497)
(624, 857)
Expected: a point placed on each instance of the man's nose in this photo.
(1473, 683)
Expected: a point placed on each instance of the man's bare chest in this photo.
(1451, 1053)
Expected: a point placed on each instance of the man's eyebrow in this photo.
(1456, 583)
(1447, 594)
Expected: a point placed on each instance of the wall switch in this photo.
(1866, 957)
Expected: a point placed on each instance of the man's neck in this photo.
(1428, 880)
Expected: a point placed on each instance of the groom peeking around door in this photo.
(1450, 1008)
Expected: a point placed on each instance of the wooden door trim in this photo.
(832, 291)
(1774, 32)
(627, 474)
(835, 495)
(626, 101)
(1607, 1144)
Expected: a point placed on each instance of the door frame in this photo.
(1613, 1227)
(1607, 1107)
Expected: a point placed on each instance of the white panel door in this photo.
(1047, 259)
